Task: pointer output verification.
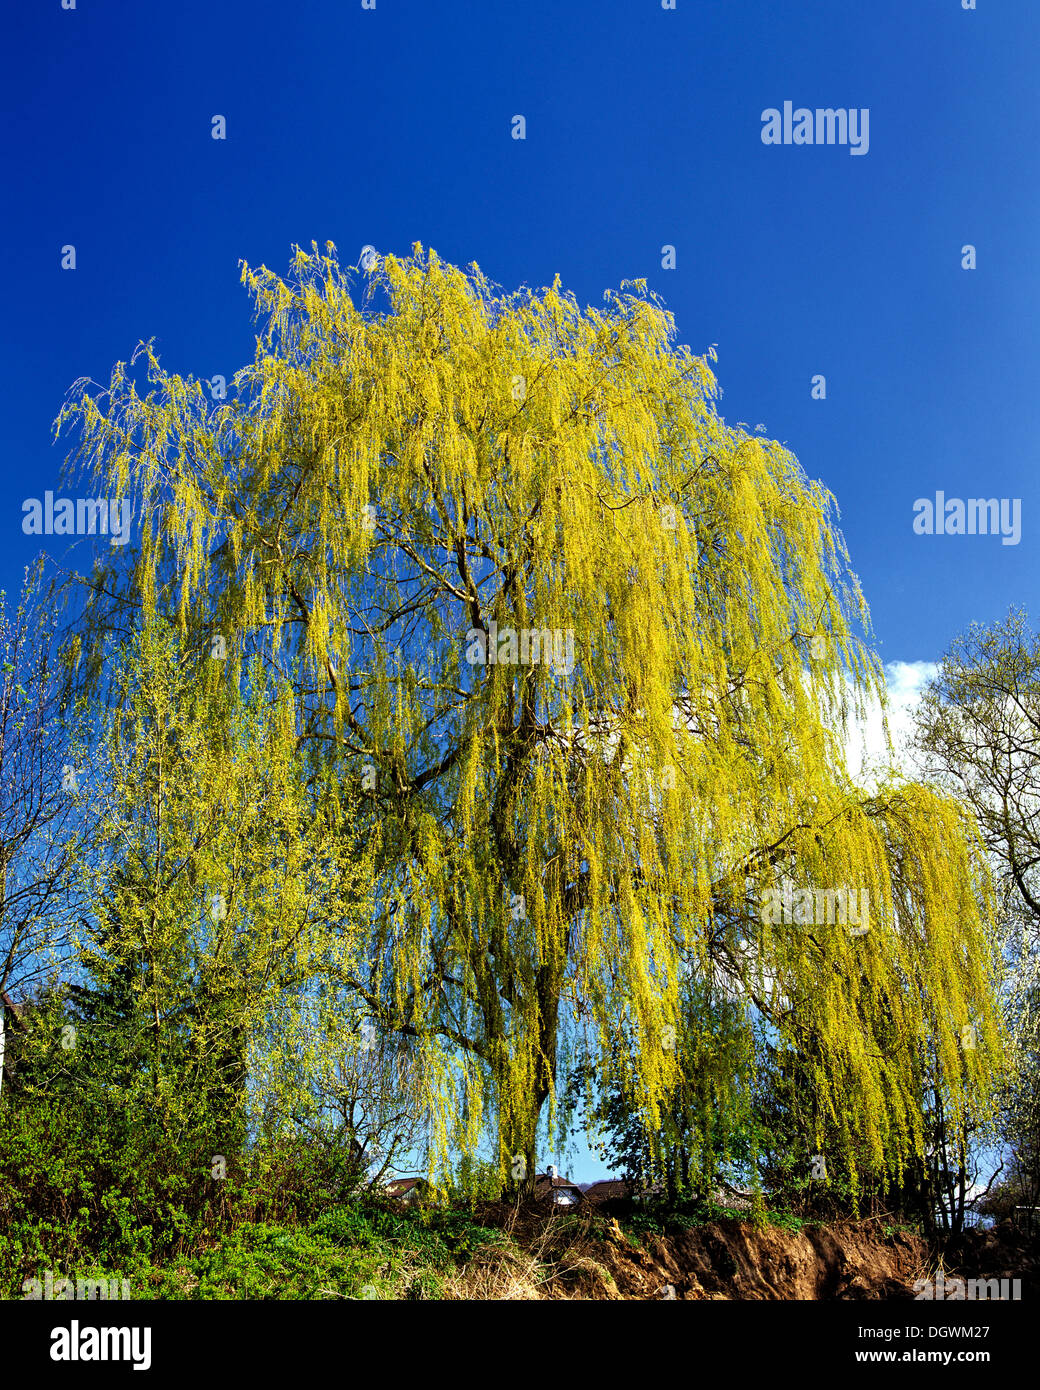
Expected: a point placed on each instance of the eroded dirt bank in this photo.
(731, 1259)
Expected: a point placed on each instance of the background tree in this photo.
(707, 1134)
(978, 725)
(43, 836)
(1019, 1182)
(978, 731)
(391, 501)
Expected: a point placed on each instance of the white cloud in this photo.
(865, 748)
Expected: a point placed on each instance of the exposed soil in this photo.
(733, 1259)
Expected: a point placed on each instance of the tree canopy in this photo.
(400, 512)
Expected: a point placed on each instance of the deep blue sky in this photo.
(643, 128)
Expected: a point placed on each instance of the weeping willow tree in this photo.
(586, 656)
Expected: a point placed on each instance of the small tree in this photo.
(707, 1129)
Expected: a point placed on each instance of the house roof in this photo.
(399, 1187)
(544, 1184)
(609, 1190)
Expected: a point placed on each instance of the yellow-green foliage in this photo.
(551, 849)
(232, 884)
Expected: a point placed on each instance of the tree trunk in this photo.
(518, 1135)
